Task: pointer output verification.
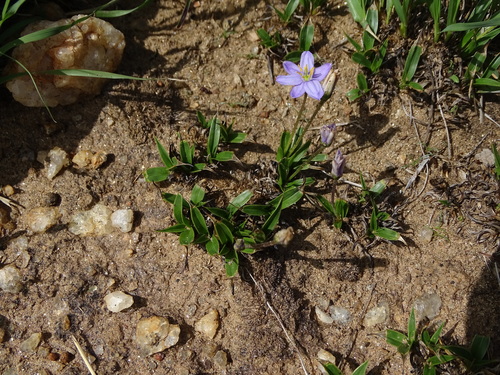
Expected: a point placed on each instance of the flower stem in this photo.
(299, 116)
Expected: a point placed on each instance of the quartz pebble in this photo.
(58, 158)
(10, 279)
(155, 334)
(323, 316)
(220, 359)
(208, 324)
(377, 315)
(118, 301)
(31, 343)
(427, 306)
(340, 315)
(96, 221)
(91, 44)
(123, 219)
(40, 219)
(326, 356)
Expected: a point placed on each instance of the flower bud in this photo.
(328, 133)
(338, 164)
(328, 84)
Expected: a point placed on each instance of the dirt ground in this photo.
(221, 70)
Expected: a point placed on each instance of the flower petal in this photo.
(298, 90)
(314, 89)
(321, 72)
(307, 59)
(291, 80)
(290, 67)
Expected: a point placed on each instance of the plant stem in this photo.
(301, 111)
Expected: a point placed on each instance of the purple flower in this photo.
(327, 133)
(304, 78)
(338, 164)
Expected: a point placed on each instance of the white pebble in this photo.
(123, 219)
(58, 159)
(428, 306)
(96, 221)
(10, 279)
(118, 301)
(40, 219)
(326, 356)
(340, 315)
(208, 324)
(323, 316)
(377, 315)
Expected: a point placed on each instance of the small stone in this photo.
(96, 221)
(58, 159)
(10, 279)
(486, 157)
(322, 316)
(118, 301)
(8, 190)
(340, 315)
(377, 315)
(427, 306)
(220, 359)
(426, 234)
(155, 334)
(40, 219)
(53, 356)
(208, 324)
(2, 335)
(123, 220)
(98, 159)
(66, 358)
(31, 343)
(82, 159)
(326, 356)
(66, 323)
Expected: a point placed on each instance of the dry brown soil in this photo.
(222, 70)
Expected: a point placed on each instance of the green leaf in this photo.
(201, 119)
(156, 174)
(119, 13)
(212, 246)
(187, 152)
(473, 25)
(411, 64)
(186, 237)
(497, 160)
(354, 94)
(386, 233)
(293, 56)
(198, 220)
(165, 156)
(290, 197)
(487, 85)
(232, 265)
(319, 158)
(435, 337)
(415, 86)
(306, 37)
(213, 138)
(224, 156)
(479, 346)
(197, 195)
(440, 359)
(331, 369)
(412, 328)
(379, 187)
(257, 209)
(223, 233)
(219, 212)
(395, 338)
(290, 9)
(357, 9)
(273, 219)
(361, 370)
(178, 210)
(327, 205)
(239, 202)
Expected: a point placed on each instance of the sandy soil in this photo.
(221, 70)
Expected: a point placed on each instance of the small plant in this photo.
(496, 155)
(410, 68)
(404, 343)
(474, 356)
(219, 133)
(361, 90)
(331, 369)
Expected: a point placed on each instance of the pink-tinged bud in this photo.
(338, 164)
(328, 133)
